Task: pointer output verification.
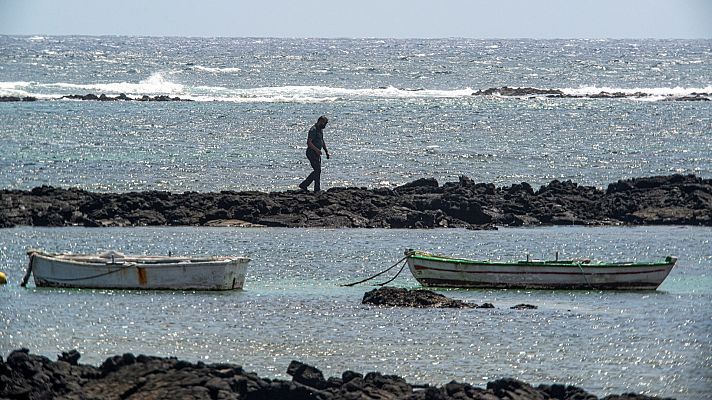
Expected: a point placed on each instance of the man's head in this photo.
(321, 122)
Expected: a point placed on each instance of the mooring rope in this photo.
(28, 272)
(394, 278)
(379, 274)
(578, 264)
(126, 266)
(26, 278)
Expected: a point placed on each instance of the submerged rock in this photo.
(524, 307)
(27, 376)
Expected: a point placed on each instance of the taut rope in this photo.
(394, 278)
(28, 272)
(381, 273)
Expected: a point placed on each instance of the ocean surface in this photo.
(399, 110)
(292, 308)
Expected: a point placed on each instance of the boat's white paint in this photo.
(117, 271)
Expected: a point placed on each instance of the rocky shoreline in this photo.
(656, 200)
(126, 377)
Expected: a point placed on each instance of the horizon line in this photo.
(345, 37)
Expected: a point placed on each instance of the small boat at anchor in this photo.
(443, 271)
(114, 270)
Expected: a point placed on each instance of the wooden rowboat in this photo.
(444, 271)
(113, 270)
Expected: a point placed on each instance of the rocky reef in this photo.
(506, 91)
(122, 96)
(92, 96)
(128, 377)
(399, 297)
(656, 200)
(420, 298)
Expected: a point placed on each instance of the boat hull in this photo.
(438, 271)
(180, 273)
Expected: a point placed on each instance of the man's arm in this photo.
(325, 149)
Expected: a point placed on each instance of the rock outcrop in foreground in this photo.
(421, 298)
(657, 200)
(400, 297)
(127, 377)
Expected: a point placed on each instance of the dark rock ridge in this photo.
(17, 98)
(556, 93)
(122, 96)
(656, 200)
(101, 97)
(128, 377)
(421, 298)
(524, 307)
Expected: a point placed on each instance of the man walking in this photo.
(315, 142)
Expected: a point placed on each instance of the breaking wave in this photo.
(154, 84)
(158, 84)
(654, 93)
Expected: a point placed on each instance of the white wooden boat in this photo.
(113, 270)
(444, 271)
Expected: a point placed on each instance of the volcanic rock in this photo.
(28, 376)
(17, 98)
(656, 200)
(400, 297)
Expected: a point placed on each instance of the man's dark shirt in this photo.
(317, 137)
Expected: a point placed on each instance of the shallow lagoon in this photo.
(654, 342)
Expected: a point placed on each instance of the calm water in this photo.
(655, 342)
(400, 110)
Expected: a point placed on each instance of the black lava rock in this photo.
(422, 204)
(27, 376)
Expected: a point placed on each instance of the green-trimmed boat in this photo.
(443, 271)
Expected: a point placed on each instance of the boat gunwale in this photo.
(669, 260)
(124, 262)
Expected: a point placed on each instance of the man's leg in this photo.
(315, 161)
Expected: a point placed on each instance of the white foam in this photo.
(21, 89)
(310, 94)
(14, 85)
(215, 70)
(158, 84)
(155, 84)
(660, 92)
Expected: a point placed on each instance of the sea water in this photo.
(293, 307)
(399, 110)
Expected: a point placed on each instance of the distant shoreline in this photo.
(421, 204)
